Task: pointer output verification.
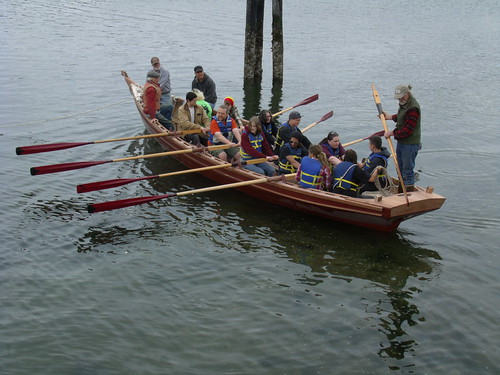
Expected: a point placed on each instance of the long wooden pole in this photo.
(389, 140)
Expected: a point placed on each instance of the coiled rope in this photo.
(65, 117)
(389, 187)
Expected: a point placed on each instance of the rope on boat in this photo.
(65, 117)
(389, 188)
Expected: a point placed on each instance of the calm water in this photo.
(220, 283)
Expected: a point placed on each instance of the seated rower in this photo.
(378, 157)
(291, 155)
(314, 170)
(234, 114)
(223, 131)
(269, 128)
(254, 146)
(202, 102)
(348, 175)
(286, 130)
(332, 147)
(192, 116)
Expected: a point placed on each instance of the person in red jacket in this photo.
(254, 146)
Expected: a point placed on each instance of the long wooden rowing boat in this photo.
(382, 213)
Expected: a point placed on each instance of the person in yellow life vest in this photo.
(314, 170)
(349, 175)
(291, 154)
(254, 146)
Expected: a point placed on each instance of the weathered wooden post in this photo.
(277, 44)
(254, 39)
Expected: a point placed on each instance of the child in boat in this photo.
(332, 147)
(234, 114)
(254, 146)
(314, 171)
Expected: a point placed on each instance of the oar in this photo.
(113, 205)
(380, 133)
(35, 149)
(324, 118)
(389, 140)
(54, 168)
(303, 102)
(108, 184)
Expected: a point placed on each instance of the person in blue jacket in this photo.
(378, 157)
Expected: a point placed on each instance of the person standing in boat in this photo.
(285, 131)
(192, 116)
(407, 133)
(166, 107)
(291, 155)
(314, 170)
(223, 131)
(254, 146)
(378, 157)
(332, 147)
(151, 95)
(348, 175)
(268, 126)
(205, 84)
(234, 114)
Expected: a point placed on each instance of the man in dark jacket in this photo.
(205, 84)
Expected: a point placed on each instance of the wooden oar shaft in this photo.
(303, 102)
(113, 205)
(324, 118)
(389, 140)
(176, 152)
(166, 134)
(380, 133)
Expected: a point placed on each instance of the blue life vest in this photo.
(334, 151)
(368, 162)
(256, 142)
(280, 141)
(343, 176)
(310, 173)
(225, 129)
(284, 163)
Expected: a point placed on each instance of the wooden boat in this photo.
(382, 213)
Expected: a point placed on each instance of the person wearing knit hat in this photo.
(234, 114)
(407, 132)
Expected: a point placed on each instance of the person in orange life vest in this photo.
(349, 176)
(254, 146)
(314, 170)
(192, 116)
(223, 131)
(291, 155)
(332, 147)
(234, 114)
(151, 96)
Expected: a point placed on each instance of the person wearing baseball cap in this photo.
(285, 132)
(151, 96)
(205, 84)
(407, 132)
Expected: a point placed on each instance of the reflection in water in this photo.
(252, 89)
(277, 94)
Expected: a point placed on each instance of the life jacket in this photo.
(284, 163)
(334, 151)
(267, 128)
(225, 129)
(343, 176)
(255, 141)
(368, 162)
(310, 173)
(279, 140)
(157, 95)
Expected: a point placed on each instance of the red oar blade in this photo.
(326, 117)
(308, 100)
(109, 184)
(35, 149)
(54, 168)
(113, 205)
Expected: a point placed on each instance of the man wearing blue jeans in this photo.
(407, 133)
